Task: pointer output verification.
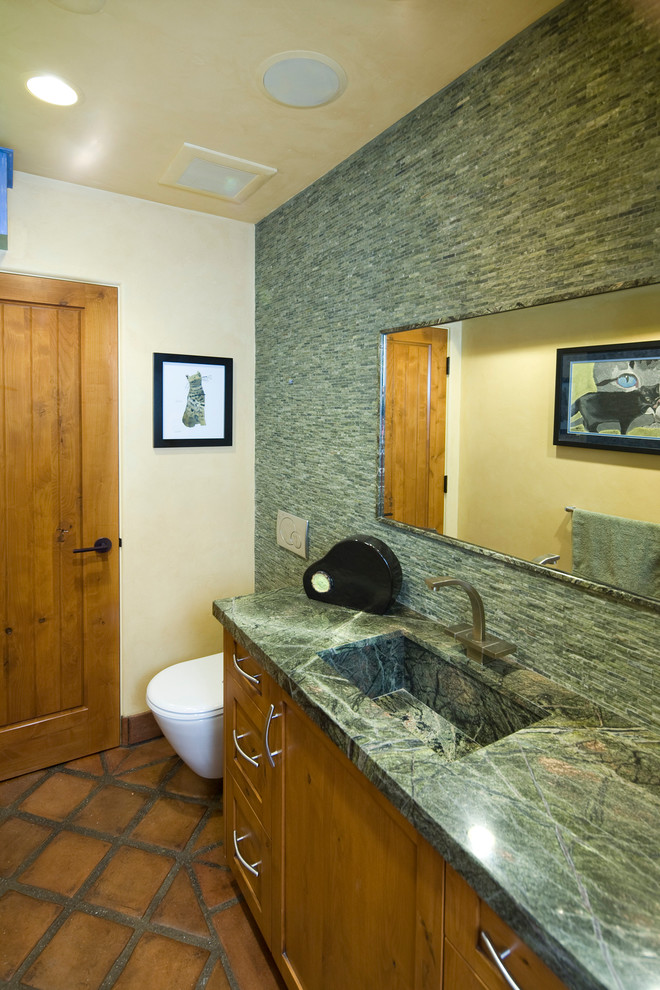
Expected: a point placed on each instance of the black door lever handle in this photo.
(102, 545)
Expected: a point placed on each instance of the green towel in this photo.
(622, 552)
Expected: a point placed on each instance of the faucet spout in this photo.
(478, 644)
(478, 614)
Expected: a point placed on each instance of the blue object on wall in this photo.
(6, 182)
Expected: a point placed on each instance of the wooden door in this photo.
(415, 417)
(59, 682)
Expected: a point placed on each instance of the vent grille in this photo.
(211, 173)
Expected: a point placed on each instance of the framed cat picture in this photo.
(608, 397)
(193, 401)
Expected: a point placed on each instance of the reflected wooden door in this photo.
(59, 681)
(415, 417)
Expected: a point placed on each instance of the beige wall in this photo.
(186, 285)
(514, 483)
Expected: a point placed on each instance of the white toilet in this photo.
(186, 700)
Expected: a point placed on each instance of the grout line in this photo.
(182, 860)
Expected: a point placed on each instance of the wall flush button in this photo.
(292, 533)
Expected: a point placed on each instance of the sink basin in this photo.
(449, 708)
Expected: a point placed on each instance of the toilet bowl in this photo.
(186, 701)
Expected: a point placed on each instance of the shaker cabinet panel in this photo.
(348, 873)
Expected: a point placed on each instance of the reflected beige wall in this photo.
(186, 286)
(514, 483)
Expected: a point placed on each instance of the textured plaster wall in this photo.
(531, 178)
(186, 286)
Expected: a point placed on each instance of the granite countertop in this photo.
(556, 826)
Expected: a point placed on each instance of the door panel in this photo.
(415, 420)
(58, 440)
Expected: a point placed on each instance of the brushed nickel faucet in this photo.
(478, 645)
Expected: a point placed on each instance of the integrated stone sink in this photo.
(449, 707)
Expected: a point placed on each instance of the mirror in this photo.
(485, 431)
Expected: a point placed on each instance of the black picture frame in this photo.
(608, 397)
(193, 400)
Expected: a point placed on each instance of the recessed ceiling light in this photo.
(51, 89)
(303, 79)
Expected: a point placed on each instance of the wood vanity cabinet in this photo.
(345, 891)
(359, 892)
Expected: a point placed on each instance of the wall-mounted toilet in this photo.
(186, 700)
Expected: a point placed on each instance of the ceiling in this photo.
(155, 74)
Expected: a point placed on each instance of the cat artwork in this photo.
(623, 408)
(193, 414)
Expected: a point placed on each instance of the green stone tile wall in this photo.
(533, 177)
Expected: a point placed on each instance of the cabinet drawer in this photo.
(245, 673)
(249, 855)
(469, 922)
(245, 752)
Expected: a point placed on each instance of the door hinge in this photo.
(119, 542)
(447, 364)
(445, 485)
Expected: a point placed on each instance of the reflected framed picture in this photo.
(608, 397)
(193, 401)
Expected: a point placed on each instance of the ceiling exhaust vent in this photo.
(208, 172)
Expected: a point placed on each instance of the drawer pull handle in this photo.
(254, 681)
(269, 754)
(252, 868)
(497, 960)
(255, 763)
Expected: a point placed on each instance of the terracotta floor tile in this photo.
(129, 757)
(57, 796)
(87, 950)
(23, 920)
(149, 776)
(180, 908)
(113, 758)
(213, 831)
(65, 863)
(17, 840)
(217, 884)
(90, 764)
(216, 856)
(161, 963)
(12, 789)
(110, 810)
(169, 823)
(79, 956)
(249, 957)
(218, 979)
(186, 782)
(130, 881)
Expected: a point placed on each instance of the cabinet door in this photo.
(468, 920)
(347, 873)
